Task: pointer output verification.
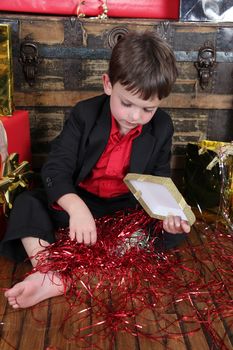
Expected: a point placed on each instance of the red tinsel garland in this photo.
(125, 285)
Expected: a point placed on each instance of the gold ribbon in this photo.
(16, 177)
(215, 146)
(104, 14)
(79, 13)
(207, 145)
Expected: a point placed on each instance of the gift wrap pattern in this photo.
(6, 71)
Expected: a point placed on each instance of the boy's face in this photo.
(128, 109)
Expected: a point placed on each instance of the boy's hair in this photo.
(143, 63)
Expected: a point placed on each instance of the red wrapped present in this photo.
(14, 140)
(18, 134)
(67, 7)
(164, 9)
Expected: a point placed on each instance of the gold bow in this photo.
(15, 179)
(207, 145)
(215, 146)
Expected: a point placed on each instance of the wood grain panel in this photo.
(47, 32)
(69, 98)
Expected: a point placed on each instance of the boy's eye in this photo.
(148, 110)
(125, 104)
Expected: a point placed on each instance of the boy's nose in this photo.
(136, 115)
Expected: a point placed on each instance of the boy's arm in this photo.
(82, 225)
(57, 173)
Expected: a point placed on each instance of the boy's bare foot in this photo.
(33, 289)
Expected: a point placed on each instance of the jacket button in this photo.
(49, 182)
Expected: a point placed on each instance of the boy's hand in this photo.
(174, 224)
(82, 224)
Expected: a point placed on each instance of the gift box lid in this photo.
(159, 196)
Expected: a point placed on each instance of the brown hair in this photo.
(144, 63)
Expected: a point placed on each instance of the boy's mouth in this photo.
(131, 124)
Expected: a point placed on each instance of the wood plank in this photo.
(13, 320)
(126, 333)
(45, 126)
(210, 269)
(152, 337)
(125, 340)
(103, 336)
(195, 339)
(172, 326)
(7, 268)
(69, 98)
(34, 324)
(58, 312)
(69, 324)
(194, 334)
(38, 31)
(201, 100)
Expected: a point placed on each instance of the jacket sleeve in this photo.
(57, 173)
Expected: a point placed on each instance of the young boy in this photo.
(104, 138)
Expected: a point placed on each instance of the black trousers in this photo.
(32, 217)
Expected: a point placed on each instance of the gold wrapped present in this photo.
(225, 155)
(202, 178)
(159, 196)
(16, 177)
(6, 71)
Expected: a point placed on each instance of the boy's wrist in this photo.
(70, 202)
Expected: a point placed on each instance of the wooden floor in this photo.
(45, 327)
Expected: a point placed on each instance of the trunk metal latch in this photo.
(206, 64)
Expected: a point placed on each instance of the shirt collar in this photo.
(115, 130)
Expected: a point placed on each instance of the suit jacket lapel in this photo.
(97, 141)
(142, 149)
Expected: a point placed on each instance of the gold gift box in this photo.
(6, 71)
(159, 196)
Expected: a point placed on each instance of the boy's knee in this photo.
(30, 197)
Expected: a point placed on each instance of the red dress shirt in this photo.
(106, 178)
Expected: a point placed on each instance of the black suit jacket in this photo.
(84, 137)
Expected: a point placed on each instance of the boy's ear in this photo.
(107, 84)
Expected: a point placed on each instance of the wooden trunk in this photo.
(74, 52)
